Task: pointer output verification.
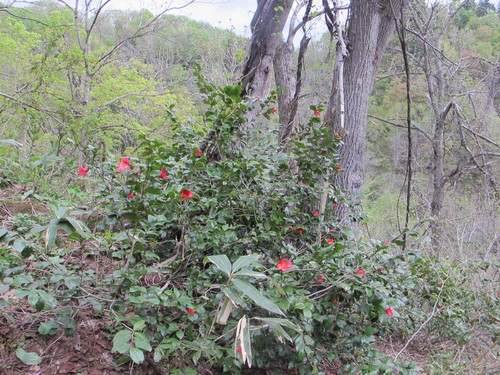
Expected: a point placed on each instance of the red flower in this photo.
(239, 350)
(163, 174)
(379, 269)
(198, 153)
(338, 167)
(330, 241)
(305, 182)
(317, 113)
(389, 311)
(335, 204)
(124, 164)
(191, 311)
(488, 298)
(324, 152)
(82, 171)
(335, 300)
(300, 230)
(130, 195)
(315, 213)
(274, 111)
(292, 228)
(186, 194)
(332, 230)
(284, 264)
(361, 272)
(386, 243)
(321, 279)
(440, 284)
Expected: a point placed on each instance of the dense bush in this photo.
(234, 261)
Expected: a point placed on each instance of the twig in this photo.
(433, 313)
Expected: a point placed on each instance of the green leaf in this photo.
(11, 142)
(30, 358)
(222, 262)
(137, 355)
(121, 341)
(245, 261)
(234, 296)
(51, 234)
(251, 292)
(79, 227)
(72, 282)
(139, 324)
(281, 321)
(196, 356)
(51, 327)
(247, 272)
(142, 341)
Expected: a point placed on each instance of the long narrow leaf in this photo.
(245, 261)
(222, 262)
(51, 234)
(251, 292)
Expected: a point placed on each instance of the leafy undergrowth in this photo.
(187, 261)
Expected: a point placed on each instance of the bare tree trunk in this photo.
(369, 29)
(285, 78)
(267, 26)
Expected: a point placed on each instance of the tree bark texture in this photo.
(267, 26)
(368, 32)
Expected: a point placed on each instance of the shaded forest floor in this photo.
(88, 350)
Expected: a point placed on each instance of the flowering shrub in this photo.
(231, 261)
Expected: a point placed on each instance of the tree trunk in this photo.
(370, 27)
(267, 26)
(285, 78)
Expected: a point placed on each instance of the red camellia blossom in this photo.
(284, 264)
(124, 164)
(163, 174)
(198, 153)
(317, 113)
(330, 241)
(321, 279)
(332, 230)
(389, 311)
(324, 152)
(338, 167)
(361, 272)
(379, 269)
(191, 311)
(274, 111)
(440, 284)
(239, 349)
(335, 205)
(386, 243)
(315, 213)
(186, 194)
(82, 171)
(130, 195)
(300, 230)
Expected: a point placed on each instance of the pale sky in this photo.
(226, 14)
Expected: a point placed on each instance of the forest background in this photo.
(96, 88)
